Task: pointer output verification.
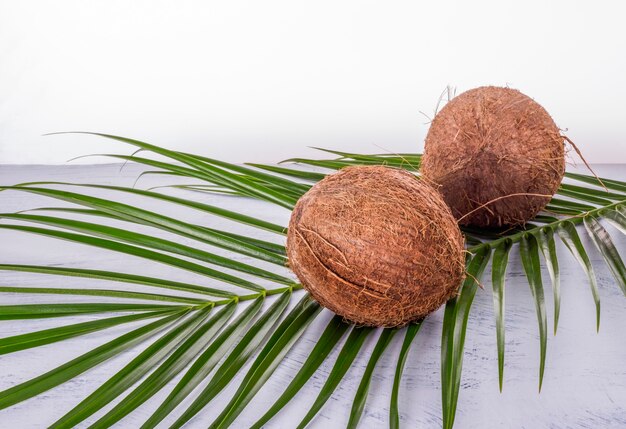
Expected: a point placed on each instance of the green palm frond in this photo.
(409, 336)
(213, 333)
(328, 340)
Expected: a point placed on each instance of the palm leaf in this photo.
(103, 292)
(140, 252)
(603, 242)
(343, 363)
(263, 244)
(205, 208)
(118, 277)
(283, 338)
(498, 272)
(548, 248)
(147, 241)
(37, 311)
(569, 236)
(127, 212)
(453, 337)
(409, 336)
(529, 250)
(211, 173)
(212, 347)
(218, 348)
(48, 336)
(197, 337)
(135, 369)
(77, 366)
(361, 394)
(617, 219)
(334, 331)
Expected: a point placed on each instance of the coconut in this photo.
(376, 245)
(496, 155)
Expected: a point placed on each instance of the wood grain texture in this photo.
(585, 377)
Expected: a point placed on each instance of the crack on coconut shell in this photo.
(363, 287)
(318, 235)
(491, 142)
(376, 245)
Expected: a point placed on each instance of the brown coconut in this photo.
(495, 147)
(376, 245)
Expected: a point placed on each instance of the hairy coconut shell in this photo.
(492, 143)
(376, 245)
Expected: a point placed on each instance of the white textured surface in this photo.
(585, 378)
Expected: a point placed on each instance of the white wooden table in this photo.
(585, 377)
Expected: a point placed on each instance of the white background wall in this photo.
(262, 80)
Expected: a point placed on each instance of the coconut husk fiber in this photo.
(487, 150)
(376, 245)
